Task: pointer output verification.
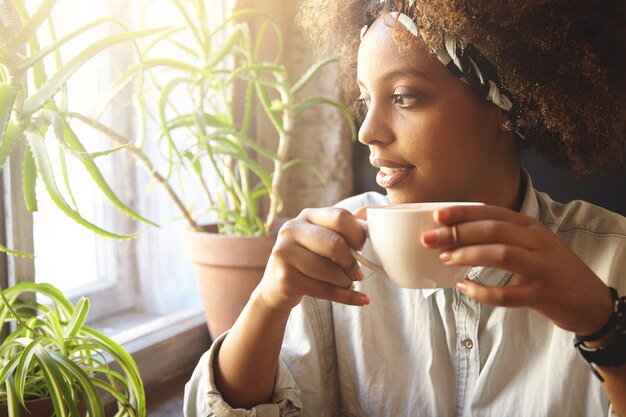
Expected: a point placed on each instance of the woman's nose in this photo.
(375, 127)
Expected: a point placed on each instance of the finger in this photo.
(319, 289)
(295, 283)
(507, 296)
(312, 265)
(506, 257)
(340, 221)
(322, 241)
(481, 232)
(360, 213)
(468, 213)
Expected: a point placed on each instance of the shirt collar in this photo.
(494, 276)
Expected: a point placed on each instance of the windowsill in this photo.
(130, 326)
(166, 348)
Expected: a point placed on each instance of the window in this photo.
(147, 274)
(141, 290)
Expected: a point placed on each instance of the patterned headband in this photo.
(465, 61)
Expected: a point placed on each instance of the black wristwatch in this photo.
(613, 353)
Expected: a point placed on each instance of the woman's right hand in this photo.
(312, 257)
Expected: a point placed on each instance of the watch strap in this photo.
(610, 355)
(614, 352)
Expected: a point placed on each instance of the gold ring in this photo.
(455, 235)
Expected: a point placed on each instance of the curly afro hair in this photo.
(563, 61)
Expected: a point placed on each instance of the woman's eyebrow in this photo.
(407, 73)
(403, 73)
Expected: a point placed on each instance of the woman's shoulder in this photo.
(368, 199)
(580, 216)
(595, 234)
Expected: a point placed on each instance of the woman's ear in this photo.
(507, 126)
(505, 123)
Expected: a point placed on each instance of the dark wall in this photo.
(606, 190)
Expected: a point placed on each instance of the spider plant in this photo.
(202, 83)
(32, 102)
(51, 352)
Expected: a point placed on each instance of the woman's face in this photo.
(431, 137)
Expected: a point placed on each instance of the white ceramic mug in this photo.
(395, 233)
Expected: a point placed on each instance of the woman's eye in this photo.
(405, 101)
(362, 104)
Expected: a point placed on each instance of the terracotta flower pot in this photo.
(227, 268)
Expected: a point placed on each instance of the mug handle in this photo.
(368, 263)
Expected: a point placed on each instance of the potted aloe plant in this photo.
(202, 86)
(52, 355)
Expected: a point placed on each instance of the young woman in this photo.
(450, 91)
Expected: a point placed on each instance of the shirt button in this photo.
(467, 343)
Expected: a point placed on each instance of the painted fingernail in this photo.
(442, 214)
(364, 300)
(445, 256)
(359, 275)
(430, 237)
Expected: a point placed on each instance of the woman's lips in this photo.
(391, 174)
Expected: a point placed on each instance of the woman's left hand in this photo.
(548, 276)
